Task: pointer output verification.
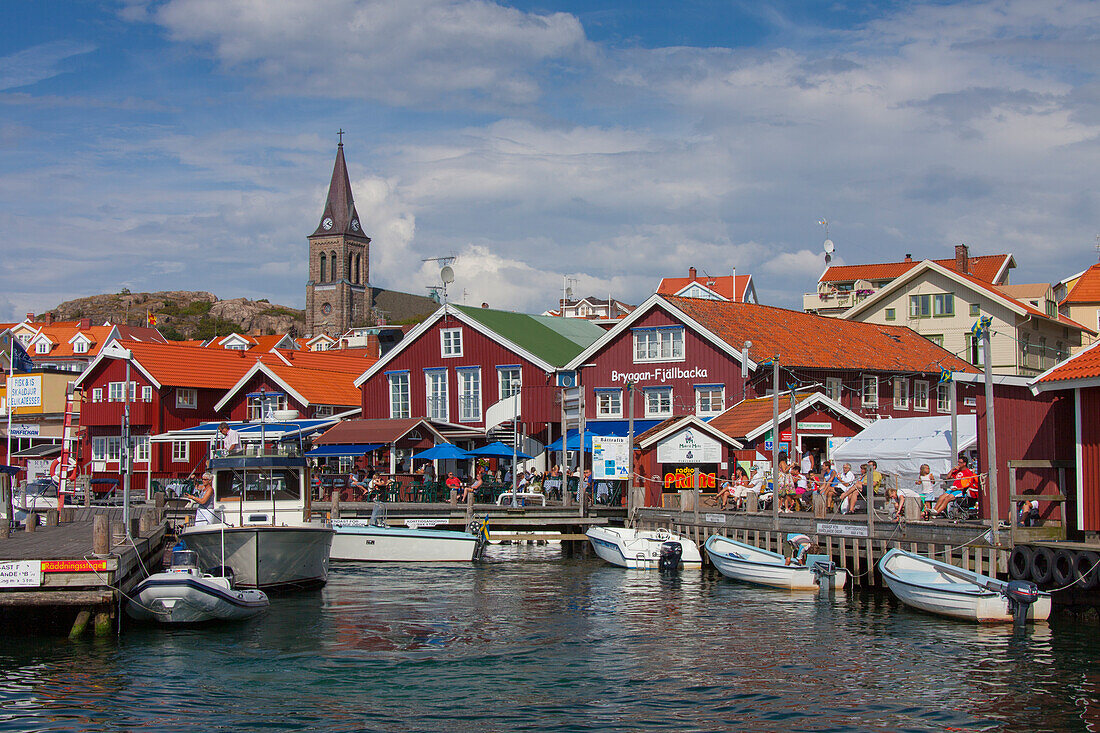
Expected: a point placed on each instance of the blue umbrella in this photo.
(442, 452)
(498, 450)
(572, 443)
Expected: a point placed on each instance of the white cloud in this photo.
(32, 65)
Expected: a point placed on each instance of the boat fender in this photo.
(1042, 565)
(1062, 571)
(1019, 563)
(1087, 568)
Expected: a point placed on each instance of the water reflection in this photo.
(529, 640)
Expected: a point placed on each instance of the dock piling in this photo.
(80, 624)
(102, 623)
(101, 535)
(31, 522)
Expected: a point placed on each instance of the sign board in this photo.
(715, 518)
(610, 457)
(782, 447)
(37, 468)
(815, 426)
(25, 390)
(424, 522)
(769, 444)
(23, 574)
(785, 435)
(689, 446)
(842, 530)
(25, 430)
(74, 566)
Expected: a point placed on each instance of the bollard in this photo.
(454, 498)
(819, 506)
(100, 534)
(912, 509)
(51, 517)
(160, 502)
(147, 521)
(752, 502)
(66, 515)
(31, 522)
(469, 507)
(335, 511)
(687, 500)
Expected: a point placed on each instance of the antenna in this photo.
(827, 245)
(1098, 247)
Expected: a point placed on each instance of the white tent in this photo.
(901, 445)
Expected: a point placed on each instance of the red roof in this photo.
(730, 287)
(368, 431)
(191, 366)
(60, 333)
(1031, 310)
(747, 415)
(983, 267)
(1087, 287)
(808, 340)
(1082, 365)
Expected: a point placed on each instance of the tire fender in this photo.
(1042, 565)
(1019, 563)
(1063, 569)
(1086, 568)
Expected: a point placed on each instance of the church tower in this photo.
(339, 261)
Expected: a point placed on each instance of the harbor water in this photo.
(530, 641)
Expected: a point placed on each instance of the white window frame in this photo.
(42, 347)
(469, 394)
(141, 448)
(710, 389)
(99, 448)
(187, 398)
(97, 394)
(324, 410)
(80, 346)
(943, 398)
(181, 451)
(869, 397)
(436, 401)
(146, 393)
(658, 401)
(504, 377)
(609, 403)
(651, 344)
(901, 393)
(920, 395)
(256, 404)
(400, 404)
(116, 391)
(114, 448)
(834, 388)
(450, 342)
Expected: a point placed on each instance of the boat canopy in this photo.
(249, 431)
(900, 445)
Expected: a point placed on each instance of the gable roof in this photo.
(1024, 290)
(1080, 370)
(554, 340)
(383, 430)
(672, 425)
(808, 340)
(730, 287)
(173, 365)
(751, 418)
(311, 377)
(1086, 289)
(987, 268)
(991, 291)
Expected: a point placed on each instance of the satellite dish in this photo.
(569, 293)
(828, 258)
(829, 246)
(447, 275)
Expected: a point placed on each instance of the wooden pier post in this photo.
(51, 517)
(30, 522)
(160, 499)
(334, 512)
(469, 507)
(80, 625)
(101, 535)
(102, 623)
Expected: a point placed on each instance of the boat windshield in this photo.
(45, 489)
(257, 485)
(184, 559)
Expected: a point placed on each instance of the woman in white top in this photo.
(926, 488)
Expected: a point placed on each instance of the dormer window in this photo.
(80, 346)
(42, 347)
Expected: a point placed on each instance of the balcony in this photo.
(833, 302)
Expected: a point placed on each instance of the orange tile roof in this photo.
(338, 360)
(747, 415)
(320, 387)
(1083, 365)
(1031, 310)
(731, 287)
(1087, 287)
(191, 366)
(983, 267)
(808, 340)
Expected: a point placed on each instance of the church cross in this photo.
(341, 134)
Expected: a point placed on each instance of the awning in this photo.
(332, 451)
(618, 427)
(900, 445)
(249, 431)
(48, 450)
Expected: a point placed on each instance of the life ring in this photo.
(55, 470)
(1063, 569)
(1087, 568)
(1042, 565)
(1019, 563)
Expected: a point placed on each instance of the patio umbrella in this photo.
(498, 450)
(572, 443)
(442, 452)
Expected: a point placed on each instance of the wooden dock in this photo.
(75, 571)
(848, 540)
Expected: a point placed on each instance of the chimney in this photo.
(30, 318)
(691, 273)
(908, 257)
(85, 322)
(733, 274)
(47, 317)
(962, 258)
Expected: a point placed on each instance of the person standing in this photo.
(229, 440)
(204, 514)
(807, 462)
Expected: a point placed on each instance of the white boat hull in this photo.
(640, 549)
(183, 598)
(366, 543)
(265, 557)
(749, 564)
(919, 583)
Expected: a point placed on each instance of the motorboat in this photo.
(374, 540)
(750, 564)
(37, 496)
(183, 594)
(944, 589)
(640, 549)
(257, 527)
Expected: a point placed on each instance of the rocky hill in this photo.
(185, 314)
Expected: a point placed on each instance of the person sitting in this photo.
(377, 488)
(453, 482)
(964, 479)
(826, 483)
(800, 488)
(1028, 513)
(228, 440)
(471, 490)
(725, 491)
(896, 501)
(849, 488)
(357, 490)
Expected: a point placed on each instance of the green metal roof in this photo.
(554, 340)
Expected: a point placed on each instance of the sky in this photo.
(188, 144)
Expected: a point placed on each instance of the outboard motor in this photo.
(671, 552)
(824, 571)
(1020, 594)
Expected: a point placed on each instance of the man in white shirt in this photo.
(230, 439)
(849, 488)
(807, 462)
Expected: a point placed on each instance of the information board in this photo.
(25, 390)
(610, 457)
(23, 574)
(689, 446)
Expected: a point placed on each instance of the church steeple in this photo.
(339, 215)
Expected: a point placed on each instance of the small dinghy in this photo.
(641, 549)
(750, 564)
(185, 595)
(944, 589)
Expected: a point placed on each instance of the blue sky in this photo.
(187, 144)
